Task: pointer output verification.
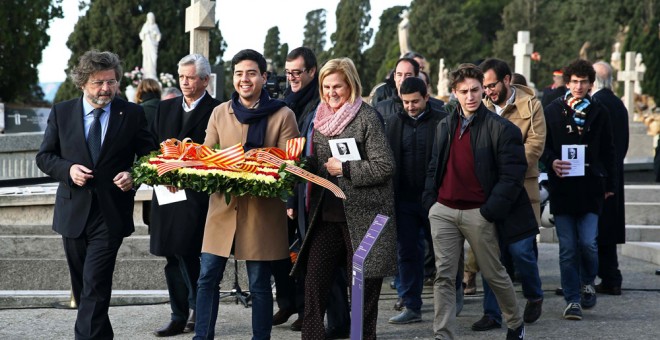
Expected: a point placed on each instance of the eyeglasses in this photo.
(583, 82)
(295, 73)
(491, 86)
(99, 83)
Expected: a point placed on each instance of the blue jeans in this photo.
(525, 261)
(411, 221)
(577, 246)
(208, 292)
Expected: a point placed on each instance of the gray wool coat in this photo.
(368, 192)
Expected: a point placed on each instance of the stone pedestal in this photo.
(17, 155)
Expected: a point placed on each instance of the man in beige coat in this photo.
(518, 104)
(256, 227)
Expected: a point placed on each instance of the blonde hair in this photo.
(147, 85)
(347, 69)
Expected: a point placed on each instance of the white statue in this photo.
(404, 25)
(615, 60)
(640, 68)
(443, 80)
(150, 36)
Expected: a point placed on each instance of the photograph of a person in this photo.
(343, 149)
(572, 153)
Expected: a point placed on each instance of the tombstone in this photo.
(25, 119)
(219, 69)
(403, 30)
(522, 51)
(443, 80)
(629, 77)
(2, 117)
(200, 18)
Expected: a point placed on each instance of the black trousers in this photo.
(608, 265)
(181, 274)
(91, 259)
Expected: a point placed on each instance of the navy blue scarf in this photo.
(256, 118)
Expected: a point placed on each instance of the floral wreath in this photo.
(264, 172)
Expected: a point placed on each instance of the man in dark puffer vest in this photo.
(411, 133)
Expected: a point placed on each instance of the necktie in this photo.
(94, 136)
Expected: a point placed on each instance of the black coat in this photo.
(394, 130)
(500, 166)
(178, 228)
(64, 144)
(582, 194)
(392, 106)
(612, 222)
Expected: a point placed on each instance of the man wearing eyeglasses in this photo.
(89, 146)
(404, 68)
(577, 201)
(519, 105)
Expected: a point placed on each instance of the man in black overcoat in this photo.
(177, 228)
(612, 222)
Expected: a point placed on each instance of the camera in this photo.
(275, 85)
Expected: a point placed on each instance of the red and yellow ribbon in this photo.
(190, 154)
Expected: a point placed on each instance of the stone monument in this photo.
(200, 18)
(640, 68)
(403, 28)
(443, 80)
(630, 76)
(522, 51)
(615, 59)
(150, 36)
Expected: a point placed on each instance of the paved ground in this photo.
(634, 315)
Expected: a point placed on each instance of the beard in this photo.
(501, 99)
(98, 100)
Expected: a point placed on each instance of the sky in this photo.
(240, 28)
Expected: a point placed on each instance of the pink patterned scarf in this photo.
(333, 123)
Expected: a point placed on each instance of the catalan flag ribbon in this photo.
(267, 157)
(191, 154)
(186, 153)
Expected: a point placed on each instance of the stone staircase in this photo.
(34, 273)
(33, 269)
(642, 223)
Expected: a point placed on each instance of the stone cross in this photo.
(629, 77)
(522, 51)
(200, 18)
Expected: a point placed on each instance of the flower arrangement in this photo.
(135, 75)
(188, 165)
(167, 80)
